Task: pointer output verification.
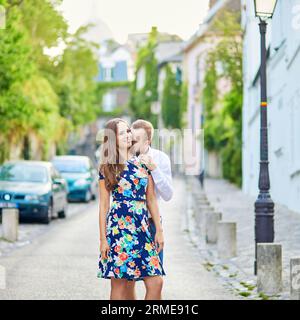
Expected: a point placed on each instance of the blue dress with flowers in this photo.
(133, 253)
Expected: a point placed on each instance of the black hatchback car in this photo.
(34, 187)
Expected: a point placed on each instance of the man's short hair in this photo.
(146, 125)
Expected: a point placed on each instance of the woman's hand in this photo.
(104, 248)
(148, 161)
(159, 240)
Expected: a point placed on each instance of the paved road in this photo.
(62, 262)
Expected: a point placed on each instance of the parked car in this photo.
(80, 174)
(36, 188)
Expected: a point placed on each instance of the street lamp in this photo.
(264, 205)
(264, 9)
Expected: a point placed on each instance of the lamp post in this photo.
(264, 205)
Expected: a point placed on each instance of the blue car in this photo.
(80, 175)
(34, 187)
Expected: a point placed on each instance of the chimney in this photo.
(212, 3)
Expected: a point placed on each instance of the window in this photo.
(109, 101)
(108, 74)
(141, 78)
(198, 71)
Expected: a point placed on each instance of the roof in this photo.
(167, 50)
(204, 27)
(174, 58)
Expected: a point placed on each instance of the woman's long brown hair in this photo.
(110, 164)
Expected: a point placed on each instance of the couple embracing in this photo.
(135, 175)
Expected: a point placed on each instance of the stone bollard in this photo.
(200, 196)
(269, 268)
(211, 226)
(295, 278)
(226, 240)
(200, 203)
(10, 224)
(201, 218)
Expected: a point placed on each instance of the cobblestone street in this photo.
(62, 262)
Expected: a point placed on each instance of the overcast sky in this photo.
(121, 17)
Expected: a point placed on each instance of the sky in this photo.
(118, 18)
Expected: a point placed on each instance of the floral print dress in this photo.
(133, 253)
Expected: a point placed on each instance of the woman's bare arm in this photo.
(103, 208)
(152, 204)
(154, 211)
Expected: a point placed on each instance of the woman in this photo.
(128, 252)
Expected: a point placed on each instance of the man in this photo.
(160, 166)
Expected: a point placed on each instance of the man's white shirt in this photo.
(162, 174)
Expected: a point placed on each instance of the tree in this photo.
(46, 27)
(15, 68)
(40, 95)
(74, 80)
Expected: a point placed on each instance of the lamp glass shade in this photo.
(264, 9)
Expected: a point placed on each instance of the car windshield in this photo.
(23, 173)
(72, 166)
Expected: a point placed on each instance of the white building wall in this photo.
(284, 102)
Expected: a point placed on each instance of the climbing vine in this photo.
(223, 113)
(171, 100)
(141, 99)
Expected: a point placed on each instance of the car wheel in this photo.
(88, 196)
(62, 214)
(48, 218)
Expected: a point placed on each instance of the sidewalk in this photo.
(237, 207)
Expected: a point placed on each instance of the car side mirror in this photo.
(58, 181)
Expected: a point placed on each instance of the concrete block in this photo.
(199, 204)
(269, 268)
(226, 242)
(10, 224)
(295, 278)
(211, 226)
(200, 216)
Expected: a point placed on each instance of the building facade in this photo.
(116, 65)
(195, 55)
(283, 66)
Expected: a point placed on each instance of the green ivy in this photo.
(223, 114)
(171, 100)
(141, 100)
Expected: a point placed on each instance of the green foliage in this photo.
(171, 100)
(140, 100)
(74, 80)
(183, 102)
(46, 27)
(223, 114)
(40, 95)
(15, 68)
